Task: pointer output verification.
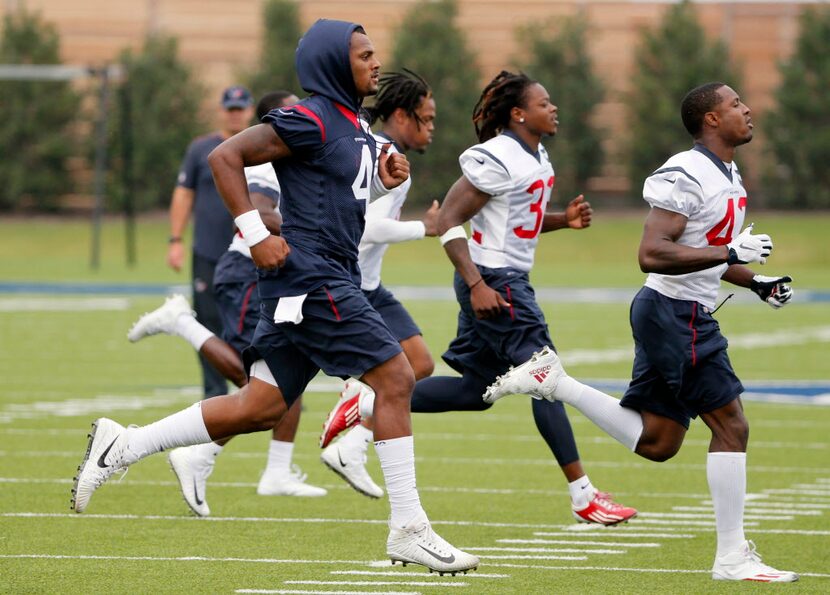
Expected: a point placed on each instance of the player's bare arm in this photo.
(577, 215)
(256, 145)
(181, 205)
(270, 217)
(463, 201)
(660, 252)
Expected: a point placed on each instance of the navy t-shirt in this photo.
(213, 226)
(325, 187)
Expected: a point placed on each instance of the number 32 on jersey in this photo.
(537, 207)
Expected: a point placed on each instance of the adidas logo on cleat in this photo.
(540, 373)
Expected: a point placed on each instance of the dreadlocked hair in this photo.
(405, 90)
(491, 114)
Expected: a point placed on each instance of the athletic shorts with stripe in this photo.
(681, 368)
(340, 334)
(237, 298)
(490, 346)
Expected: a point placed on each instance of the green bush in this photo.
(164, 103)
(429, 43)
(670, 60)
(799, 127)
(558, 59)
(36, 130)
(281, 33)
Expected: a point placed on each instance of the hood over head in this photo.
(323, 64)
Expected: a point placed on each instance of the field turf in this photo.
(486, 479)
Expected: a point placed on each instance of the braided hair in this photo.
(491, 114)
(405, 90)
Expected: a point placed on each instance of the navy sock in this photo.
(555, 427)
(450, 393)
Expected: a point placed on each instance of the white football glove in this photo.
(773, 290)
(749, 247)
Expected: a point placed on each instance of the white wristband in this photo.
(252, 228)
(453, 233)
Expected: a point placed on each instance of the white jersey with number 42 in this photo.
(504, 233)
(711, 195)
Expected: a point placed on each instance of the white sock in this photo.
(357, 438)
(366, 401)
(184, 428)
(624, 425)
(582, 492)
(279, 457)
(191, 330)
(397, 460)
(726, 473)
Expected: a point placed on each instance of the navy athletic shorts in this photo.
(237, 298)
(490, 346)
(681, 368)
(393, 313)
(340, 334)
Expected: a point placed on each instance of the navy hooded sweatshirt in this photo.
(325, 183)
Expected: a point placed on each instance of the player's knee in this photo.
(423, 367)
(659, 449)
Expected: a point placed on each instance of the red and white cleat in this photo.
(344, 415)
(602, 510)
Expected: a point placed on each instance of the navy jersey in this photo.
(326, 182)
(212, 223)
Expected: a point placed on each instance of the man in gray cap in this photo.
(213, 225)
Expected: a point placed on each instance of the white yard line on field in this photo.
(178, 559)
(577, 542)
(304, 592)
(620, 569)
(542, 550)
(444, 583)
(50, 304)
(408, 573)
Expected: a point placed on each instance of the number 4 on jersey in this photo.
(362, 183)
(721, 234)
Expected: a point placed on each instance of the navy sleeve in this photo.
(189, 170)
(268, 191)
(300, 128)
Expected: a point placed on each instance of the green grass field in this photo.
(487, 479)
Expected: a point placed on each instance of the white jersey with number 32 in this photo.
(504, 233)
(711, 195)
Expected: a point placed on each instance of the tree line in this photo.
(46, 128)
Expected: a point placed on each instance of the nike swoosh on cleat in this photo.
(479, 161)
(445, 559)
(102, 460)
(339, 458)
(196, 494)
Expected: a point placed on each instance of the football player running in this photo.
(681, 369)
(314, 315)
(503, 193)
(405, 108)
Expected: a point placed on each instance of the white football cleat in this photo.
(417, 543)
(192, 468)
(162, 319)
(288, 484)
(350, 464)
(104, 457)
(537, 377)
(745, 565)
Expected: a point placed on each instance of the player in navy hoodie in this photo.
(314, 314)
